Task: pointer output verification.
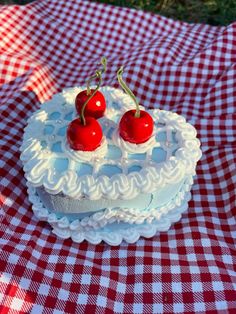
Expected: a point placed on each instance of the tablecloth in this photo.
(189, 69)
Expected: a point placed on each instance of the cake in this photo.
(119, 191)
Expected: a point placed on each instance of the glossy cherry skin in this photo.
(84, 137)
(94, 108)
(136, 130)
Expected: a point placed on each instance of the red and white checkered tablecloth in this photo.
(190, 69)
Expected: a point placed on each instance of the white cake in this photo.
(120, 191)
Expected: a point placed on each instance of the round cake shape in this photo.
(119, 181)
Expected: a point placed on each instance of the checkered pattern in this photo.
(190, 69)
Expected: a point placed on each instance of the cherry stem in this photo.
(128, 91)
(98, 74)
(104, 63)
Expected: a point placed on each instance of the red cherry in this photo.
(95, 107)
(136, 130)
(84, 137)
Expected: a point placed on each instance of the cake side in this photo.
(61, 204)
(113, 226)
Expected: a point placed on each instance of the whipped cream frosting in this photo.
(79, 156)
(132, 148)
(106, 172)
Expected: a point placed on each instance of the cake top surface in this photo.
(116, 169)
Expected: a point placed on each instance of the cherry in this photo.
(85, 137)
(91, 102)
(136, 126)
(95, 107)
(136, 130)
(85, 134)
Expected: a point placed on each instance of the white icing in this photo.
(38, 160)
(79, 156)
